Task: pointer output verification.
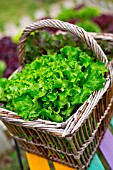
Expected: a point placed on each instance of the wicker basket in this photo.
(75, 141)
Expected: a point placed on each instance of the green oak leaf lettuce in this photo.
(54, 86)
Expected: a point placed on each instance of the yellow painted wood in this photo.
(36, 162)
(62, 167)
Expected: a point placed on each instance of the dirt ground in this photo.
(9, 161)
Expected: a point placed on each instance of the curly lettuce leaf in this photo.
(54, 86)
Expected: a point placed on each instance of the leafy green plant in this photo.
(85, 13)
(53, 86)
(88, 12)
(67, 14)
(43, 42)
(2, 67)
(89, 26)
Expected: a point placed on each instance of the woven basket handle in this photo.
(86, 37)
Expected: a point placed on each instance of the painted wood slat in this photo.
(62, 167)
(106, 147)
(36, 162)
(111, 122)
(96, 164)
(102, 159)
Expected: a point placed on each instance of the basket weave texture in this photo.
(75, 141)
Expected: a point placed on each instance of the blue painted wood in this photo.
(111, 122)
(106, 148)
(96, 164)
